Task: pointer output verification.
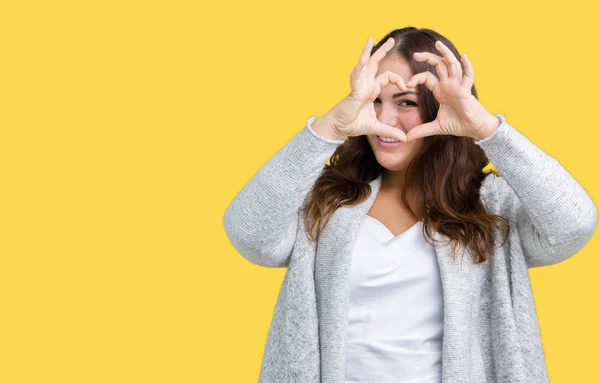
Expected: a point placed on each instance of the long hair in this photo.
(442, 182)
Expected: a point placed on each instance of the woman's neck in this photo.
(392, 179)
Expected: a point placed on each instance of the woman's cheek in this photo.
(411, 122)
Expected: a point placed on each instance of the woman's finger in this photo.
(426, 78)
(454, 69)
(469, 76)
(356, 71)
(364, 56)
(424, 130)
(388, 77)
(380, 54)
(385, 130)
(435, 60)
(364, 59)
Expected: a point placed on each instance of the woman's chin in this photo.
(395, 159)
(392, 162)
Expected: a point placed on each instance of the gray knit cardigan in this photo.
(491, 332)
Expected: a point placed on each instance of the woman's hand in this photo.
(355, 114)
(460, 113)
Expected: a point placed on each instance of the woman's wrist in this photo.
(324, 127)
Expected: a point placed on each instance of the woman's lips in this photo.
(388, 145)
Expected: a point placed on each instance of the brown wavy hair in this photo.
(442, 181)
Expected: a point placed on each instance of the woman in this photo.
(374, 290)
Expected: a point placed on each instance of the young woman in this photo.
(374, 290)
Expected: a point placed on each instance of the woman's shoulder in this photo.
(495, 191)
(489, 184)
(497, 194)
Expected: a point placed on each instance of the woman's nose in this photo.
(387, 115)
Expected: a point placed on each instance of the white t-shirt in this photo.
(395, 320)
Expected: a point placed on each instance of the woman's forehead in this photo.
(397, 65)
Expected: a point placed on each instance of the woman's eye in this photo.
(407, 101)
(377, 101)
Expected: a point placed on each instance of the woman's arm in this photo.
(555, 215)
(262, 220)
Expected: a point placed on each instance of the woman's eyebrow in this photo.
(403, 93)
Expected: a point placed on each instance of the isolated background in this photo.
(127, 127)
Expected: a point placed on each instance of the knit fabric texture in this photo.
(491, 331)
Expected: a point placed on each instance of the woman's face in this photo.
(399, 110)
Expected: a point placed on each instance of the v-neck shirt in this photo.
(395, 320)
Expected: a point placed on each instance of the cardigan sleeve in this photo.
(555, 216)
(262, 219)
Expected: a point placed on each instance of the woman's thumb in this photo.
(385, 130)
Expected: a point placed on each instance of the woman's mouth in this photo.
(388, 144)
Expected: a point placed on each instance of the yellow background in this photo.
(127, 127)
